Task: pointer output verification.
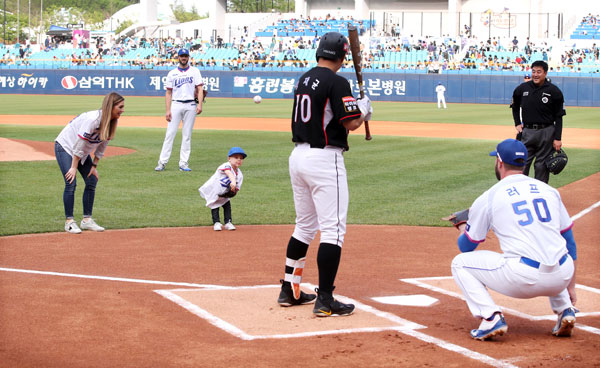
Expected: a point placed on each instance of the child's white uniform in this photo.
(218, 184)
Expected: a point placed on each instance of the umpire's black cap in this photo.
(333, 46)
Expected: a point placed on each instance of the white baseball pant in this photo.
(185, 112)
(320, 193)
(474, 271)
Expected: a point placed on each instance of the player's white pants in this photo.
(185, 112)
(320, 193)
(473, 271)
(441, 100)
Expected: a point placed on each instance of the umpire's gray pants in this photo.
(539, 143)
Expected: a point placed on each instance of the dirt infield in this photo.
(192, 297)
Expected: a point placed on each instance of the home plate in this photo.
(418, 300)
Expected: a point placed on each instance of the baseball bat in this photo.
(356, 60)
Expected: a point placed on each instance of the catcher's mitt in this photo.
(557, 162)
(229, 194)
(458, 218)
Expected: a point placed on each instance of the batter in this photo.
(184, 85)
(538, 248)
(323, 113)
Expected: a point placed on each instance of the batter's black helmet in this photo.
(557, 162)
(333, 46)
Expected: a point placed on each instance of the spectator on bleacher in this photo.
(515, 44)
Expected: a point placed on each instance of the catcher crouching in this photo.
(223, 185)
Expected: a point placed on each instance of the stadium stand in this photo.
(289, 45)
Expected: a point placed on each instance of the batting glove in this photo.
(364, 105)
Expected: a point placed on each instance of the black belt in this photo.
(537, 126)
(184, 101)
(536, 264)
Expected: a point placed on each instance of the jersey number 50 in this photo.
(541, 210)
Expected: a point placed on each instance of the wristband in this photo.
(94, 165)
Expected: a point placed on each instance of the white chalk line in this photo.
(109, 278)
(418, 282)
(585, 211)
(406, 327)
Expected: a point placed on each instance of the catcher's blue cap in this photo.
(509, 151)
(183, 52)
(237, 150)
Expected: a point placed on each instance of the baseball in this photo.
(257, 99)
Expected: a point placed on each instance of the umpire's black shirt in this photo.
(543, 105)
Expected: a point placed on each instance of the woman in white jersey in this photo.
(88, 132)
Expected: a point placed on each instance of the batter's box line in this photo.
(237, 332)
(410, 329)
(418, 282)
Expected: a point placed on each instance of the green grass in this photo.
(577, 117)
(392, 180)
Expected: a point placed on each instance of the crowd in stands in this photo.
(387, 53)
(589, 28)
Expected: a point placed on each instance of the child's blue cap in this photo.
(509, 151)
(237, 150)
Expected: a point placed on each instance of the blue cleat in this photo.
(565, 323)
(184, 167)
(495, 326)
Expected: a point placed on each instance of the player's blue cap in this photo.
(183, 52)
(527, 76)
(237, 150)
(509, 151)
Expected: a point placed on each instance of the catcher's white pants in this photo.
(473, 271)
(441, 100)
(185, 112)
(320, 193)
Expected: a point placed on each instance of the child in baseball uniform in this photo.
(222, 186)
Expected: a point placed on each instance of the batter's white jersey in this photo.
(218, 184)
(526, 215)
(183, 82)
(81, 136)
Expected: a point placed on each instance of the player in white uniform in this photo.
(184, 101)
(440, 89)
(538, 248)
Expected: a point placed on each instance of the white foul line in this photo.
(108, 278)
(585, 211)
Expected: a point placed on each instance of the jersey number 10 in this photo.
(541, 210)
(303, 104)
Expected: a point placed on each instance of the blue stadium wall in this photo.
(493, 89)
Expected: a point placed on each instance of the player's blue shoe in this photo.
(184, 168)
(565, 323)
(495, 326)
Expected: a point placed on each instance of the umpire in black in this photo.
(541, 104)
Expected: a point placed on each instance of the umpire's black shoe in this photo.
(286, 296)
(327, 306)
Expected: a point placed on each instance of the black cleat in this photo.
(286, 296)
(327, 306)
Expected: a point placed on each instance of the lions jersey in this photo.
(322, 102)
(183, 82)
(526, 215)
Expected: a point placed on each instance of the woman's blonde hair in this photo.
(108, 126)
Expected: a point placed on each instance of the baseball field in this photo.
(161, 288)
